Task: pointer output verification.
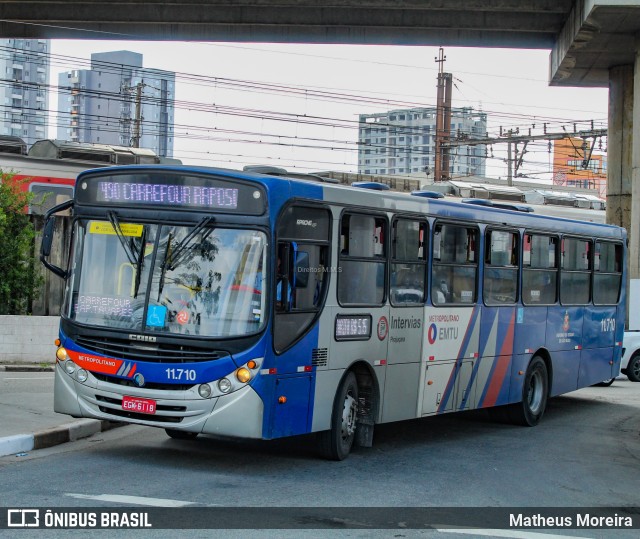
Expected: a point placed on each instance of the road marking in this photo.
(137, 500)
(38, 378)
(512, 534)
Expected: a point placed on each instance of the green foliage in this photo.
(18, 278)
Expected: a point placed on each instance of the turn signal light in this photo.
(57, 342)
(252, 364)
(282, 400)
(243, 375)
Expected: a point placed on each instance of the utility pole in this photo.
(443, 120)
(137, 122)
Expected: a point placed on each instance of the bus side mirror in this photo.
(47, 238)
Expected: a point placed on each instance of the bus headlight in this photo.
(243, 375)
(224, 385)
(204, 390)
(61, 354)
(69, 366)
(82, 375)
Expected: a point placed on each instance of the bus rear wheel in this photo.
(336, 443)
(181, 434)
(535, 391)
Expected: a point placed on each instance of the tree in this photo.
(18, 278)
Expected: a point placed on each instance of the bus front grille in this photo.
(151, 352)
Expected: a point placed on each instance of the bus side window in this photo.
(455, 268)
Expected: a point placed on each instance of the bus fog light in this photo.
(82, 375)
(243, 375)
(224, 385)
(204, 390)
(69, 366)
(61, 354)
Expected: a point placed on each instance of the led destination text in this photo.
(168, 194)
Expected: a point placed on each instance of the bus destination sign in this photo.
(170, 190)
(167, 194)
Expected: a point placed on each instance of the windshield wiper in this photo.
(140, 262)
(173, 258)
(181, 252)
(115, 223)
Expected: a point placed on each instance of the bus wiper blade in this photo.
(180, 252)
(140, 262)
(115, 223)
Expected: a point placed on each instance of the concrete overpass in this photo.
(592, 42)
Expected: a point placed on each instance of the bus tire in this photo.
(181, 434)
(633, 368)
(336, 443)
(535, 391)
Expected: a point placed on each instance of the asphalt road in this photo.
(585, 453)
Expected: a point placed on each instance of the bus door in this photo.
(299, 291)
(598, 361)
(407, 295)
(452, 322)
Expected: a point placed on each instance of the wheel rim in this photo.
(536, 391)
(635, 368)
(349, 411)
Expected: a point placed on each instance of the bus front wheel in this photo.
(535, 391)
(336, 443)
(181, 434)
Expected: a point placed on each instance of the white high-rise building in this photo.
(403, 142)
(118, 102)
(24, 96)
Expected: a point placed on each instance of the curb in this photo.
(21, 443)
(26, 368)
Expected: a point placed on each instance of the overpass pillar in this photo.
(623, 157)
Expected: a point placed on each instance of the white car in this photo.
(630, 364)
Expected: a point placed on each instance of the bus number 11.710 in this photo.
(608, 324)
(181, 374)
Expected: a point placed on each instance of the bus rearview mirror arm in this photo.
(47, 238)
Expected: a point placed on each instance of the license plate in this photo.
(136, 404)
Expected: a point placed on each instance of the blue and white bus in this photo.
(212, 301)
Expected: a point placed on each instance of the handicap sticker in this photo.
(520, 315)
(156, 315)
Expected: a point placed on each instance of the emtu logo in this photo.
(432, 333)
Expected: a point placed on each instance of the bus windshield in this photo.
(178, 280)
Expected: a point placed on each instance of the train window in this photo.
(455, 264)
(607, 276)
(575, 274)
(362, 261)
(408, 265)
(500, 283)
(540, 269)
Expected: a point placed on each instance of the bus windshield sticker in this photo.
(104, 227)
(156, 316)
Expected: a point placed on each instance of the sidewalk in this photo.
(27, 419)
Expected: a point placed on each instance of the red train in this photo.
(51, 166)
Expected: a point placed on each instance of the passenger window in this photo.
(607, 276)
(540, 269)
(362, 263)
(455, 265)
(575, 274)
(408, 265)
(500, 284)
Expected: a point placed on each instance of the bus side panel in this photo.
(598, 342)
(292, 416)
(493, 370)
(401, 389)
(530, 331)
(564, 341)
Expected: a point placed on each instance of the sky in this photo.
(296, 106)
